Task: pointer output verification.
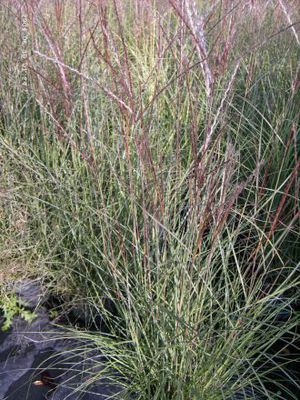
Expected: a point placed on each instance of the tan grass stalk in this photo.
(289, 19)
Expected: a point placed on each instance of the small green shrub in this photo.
(11, 307)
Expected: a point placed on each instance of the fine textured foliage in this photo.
(149, 169)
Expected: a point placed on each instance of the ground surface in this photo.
(30, 368)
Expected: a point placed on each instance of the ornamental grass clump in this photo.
(155, 150)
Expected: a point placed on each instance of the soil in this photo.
(30, 365)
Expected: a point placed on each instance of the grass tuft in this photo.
(149, 168)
